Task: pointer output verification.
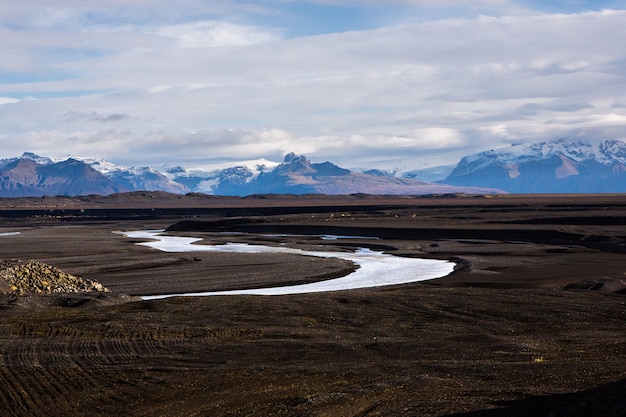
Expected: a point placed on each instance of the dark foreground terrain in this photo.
(530, 324)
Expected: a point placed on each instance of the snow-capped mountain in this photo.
(40, 160)
(297, 175)
(220, 180)
(31, 175)
(135, 179)
(433, 174)
(197, 180)
(561, 166)
(34, 175)
(146, 179)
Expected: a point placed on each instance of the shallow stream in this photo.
(375, 269)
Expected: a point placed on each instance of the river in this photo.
(375, 269)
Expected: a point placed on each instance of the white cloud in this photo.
(210, 87)
(215, 34)
(8, 100)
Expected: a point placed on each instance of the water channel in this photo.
(375, 269)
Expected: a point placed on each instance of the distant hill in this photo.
(562, 166)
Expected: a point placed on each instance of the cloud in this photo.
(214, 87)
(76, 116)
(457, 6)
(8, 100)
(535, 108)
(215, 34)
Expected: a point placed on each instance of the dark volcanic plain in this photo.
(530, 324)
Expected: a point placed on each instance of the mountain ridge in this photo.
(26, 177)
(298, 175)
(560, 166)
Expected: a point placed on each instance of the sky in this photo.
(360, 83)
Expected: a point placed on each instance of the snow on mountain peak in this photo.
(100, 165)
(605, 152)
(560, 166)
(42, 160)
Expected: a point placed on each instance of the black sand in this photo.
(531, 323)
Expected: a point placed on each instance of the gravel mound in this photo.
(34, 277)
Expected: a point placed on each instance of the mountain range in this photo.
(31, 175)
(561, 166)
(297, 175)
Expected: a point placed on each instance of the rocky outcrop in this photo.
(34, 277)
